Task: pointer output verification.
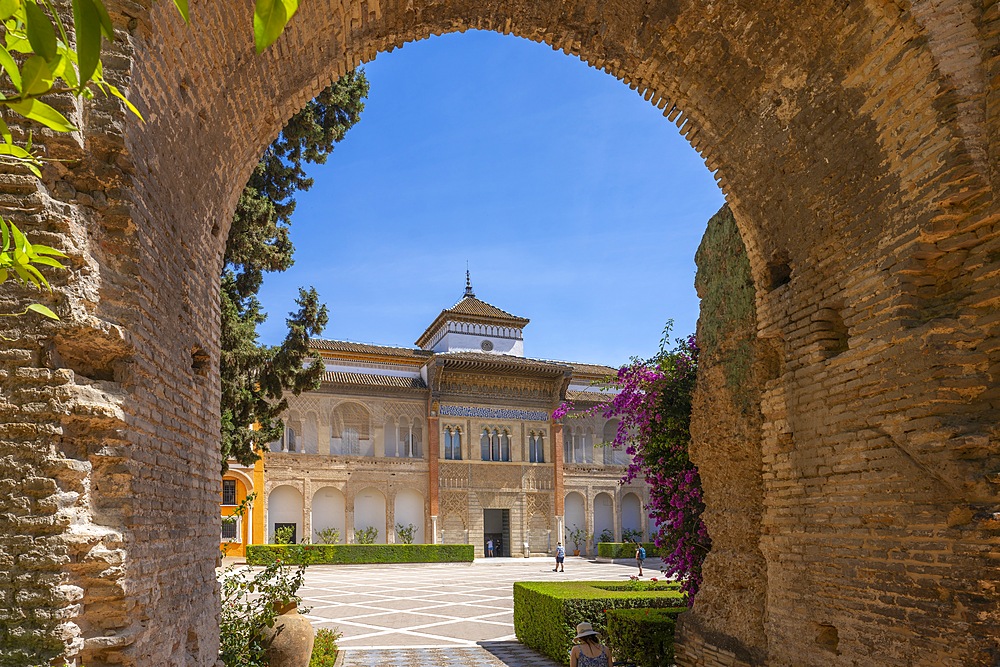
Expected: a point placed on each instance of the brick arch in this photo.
(853, 143)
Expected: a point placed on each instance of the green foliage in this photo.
(269, 19)
(631, 535)
(577, 535)
(366, 535)
(406, 532)
(624, 549)
(546, 613)
(356, 554)
(606, 536)
(284, 535)
(325, 648)
(328, 536)
(643, 637)
(254, 377)
(250, 603)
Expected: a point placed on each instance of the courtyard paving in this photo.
(429, 615)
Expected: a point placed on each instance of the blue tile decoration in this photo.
(493, 413)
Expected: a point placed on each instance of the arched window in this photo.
(567, 445)
(484, 445)
(495, 445)
(505, 446)
(453, 443)
(536, 448)
(390, 437)
(579, 450)
(289, 442)
(351, 430)
(414, 449)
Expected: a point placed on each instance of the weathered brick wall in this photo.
(857, 144)
(726, 446)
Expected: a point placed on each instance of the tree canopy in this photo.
(255, 377)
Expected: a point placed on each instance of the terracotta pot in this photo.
(576, 552)
(291, 639)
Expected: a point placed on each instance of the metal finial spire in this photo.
(468, 283)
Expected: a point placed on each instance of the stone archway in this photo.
(854, 144)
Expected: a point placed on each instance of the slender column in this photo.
(433, 454)
(557, 479)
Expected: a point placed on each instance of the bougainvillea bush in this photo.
(653, 406)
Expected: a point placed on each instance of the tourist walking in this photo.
(560, 557)
(640, 556)
(489, 548)
(589, 651)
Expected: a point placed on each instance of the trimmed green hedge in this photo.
(546, 613)
(643, 637)
(358, 554)
(624, 550)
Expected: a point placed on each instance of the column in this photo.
(559, 499)
(433, 455)
(307, 512)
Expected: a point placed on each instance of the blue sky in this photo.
(574, 201)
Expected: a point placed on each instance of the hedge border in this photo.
(358, 554)
(624, 550)
(642, 637)
(546, 613)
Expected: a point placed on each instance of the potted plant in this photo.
(577, 536)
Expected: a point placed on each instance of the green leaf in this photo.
(43, 113)
(18, 237)
(4, 234)
(182, 7)
(42, 310)
(5, 133)
(25, 277)
(7, 9)
(107, 27)
(10, 67)
(3, 276)
(41, 34)
(47, 261)
(88, 37)
(269, 20)
(117, 93)
(46, 250)
(36, 76)
(39, 278)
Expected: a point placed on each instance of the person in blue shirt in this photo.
(560, 557)
(640, 556)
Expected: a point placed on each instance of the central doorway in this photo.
(496, 527)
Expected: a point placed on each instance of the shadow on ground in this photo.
(515, 654)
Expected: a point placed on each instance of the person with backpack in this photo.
(560, 557)
(640, 555)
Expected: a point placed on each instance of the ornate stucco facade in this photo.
(453, 436)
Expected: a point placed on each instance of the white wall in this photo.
(369, 510)
(284, 505)
(576, 517)
(462, 342)
(409, 508)
(604, 515)
(631, 512)
(328, 511)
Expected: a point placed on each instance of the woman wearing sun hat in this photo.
(589, 651)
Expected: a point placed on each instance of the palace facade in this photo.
(453, 437)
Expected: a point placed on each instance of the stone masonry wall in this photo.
(857, 147)
(733, 367)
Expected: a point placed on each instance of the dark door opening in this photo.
(496, 527)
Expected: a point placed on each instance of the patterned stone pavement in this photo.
(430, 615)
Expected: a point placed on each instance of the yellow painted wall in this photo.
(234, 548)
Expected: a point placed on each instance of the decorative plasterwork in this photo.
(493, 413)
